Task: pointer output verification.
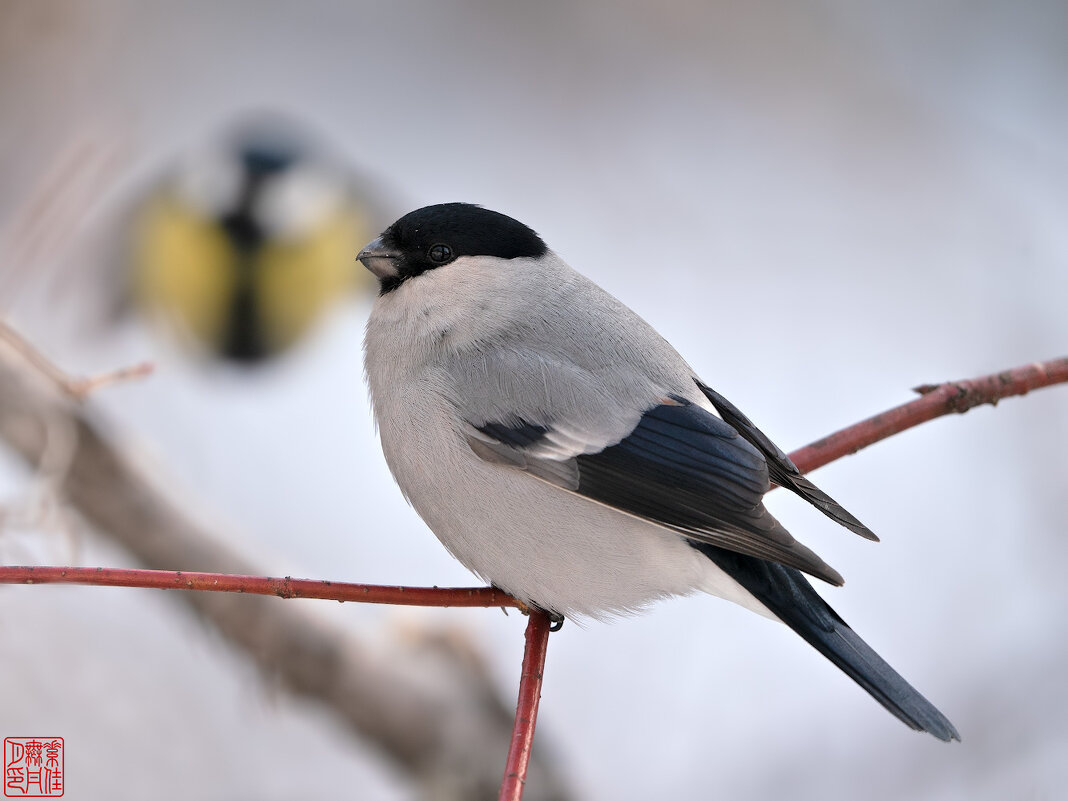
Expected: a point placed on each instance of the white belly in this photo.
(540, 543)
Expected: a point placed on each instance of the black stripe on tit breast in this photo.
(243, 336)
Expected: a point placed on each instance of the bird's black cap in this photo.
(434, 236)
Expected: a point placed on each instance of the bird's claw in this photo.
(556, 620)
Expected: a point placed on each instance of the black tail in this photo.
(791, 598)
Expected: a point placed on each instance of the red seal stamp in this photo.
(33, 767)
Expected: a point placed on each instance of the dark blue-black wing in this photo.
(680, 467)
(686, 469)
(780, 468)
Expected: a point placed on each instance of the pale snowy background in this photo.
(821, 204)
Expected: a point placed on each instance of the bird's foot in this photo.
(556, 620)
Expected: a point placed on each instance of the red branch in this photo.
(936, 401)
(526, 711)
(259, 585)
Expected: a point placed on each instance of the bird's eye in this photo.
(439, 254)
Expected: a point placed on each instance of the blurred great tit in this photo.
(243, 248)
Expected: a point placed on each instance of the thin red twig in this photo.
(259, 585)
(526, 711)
(938, 400)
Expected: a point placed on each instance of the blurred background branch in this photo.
(439, 717)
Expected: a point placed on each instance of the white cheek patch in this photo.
(293, 204)
(210, 182)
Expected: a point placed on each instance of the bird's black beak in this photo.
(379, 259)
